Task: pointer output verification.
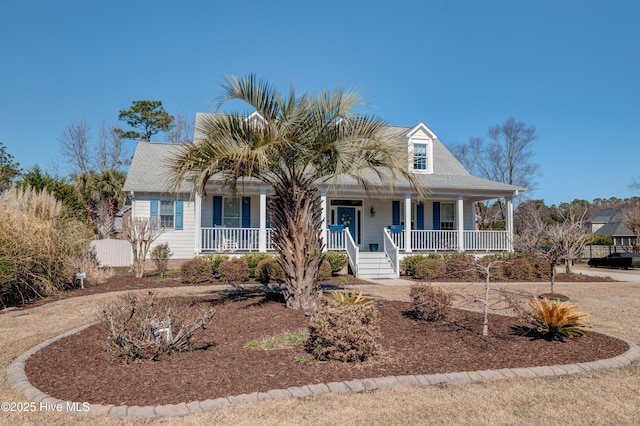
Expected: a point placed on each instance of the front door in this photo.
(347, 217)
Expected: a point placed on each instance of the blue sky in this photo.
(570, 68)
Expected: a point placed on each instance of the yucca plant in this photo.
(347, 297)
(557, 320)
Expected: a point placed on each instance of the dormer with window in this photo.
(420, 149)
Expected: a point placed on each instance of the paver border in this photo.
(19, 382)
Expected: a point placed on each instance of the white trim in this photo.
(198, 222)
(460, 218)
(407, 222)
(262, 233)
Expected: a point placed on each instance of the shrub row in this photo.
(463, 267)
(264, 267)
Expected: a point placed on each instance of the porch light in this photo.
(372, 211)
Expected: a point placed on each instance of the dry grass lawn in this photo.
(602, 397)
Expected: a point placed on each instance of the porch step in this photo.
(374, 265)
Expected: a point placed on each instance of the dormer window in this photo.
(421, 155)
(420, 149)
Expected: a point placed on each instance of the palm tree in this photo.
(298, 143)
(103, 196)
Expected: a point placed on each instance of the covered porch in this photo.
(446, 224)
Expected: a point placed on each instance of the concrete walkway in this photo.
(18, 381)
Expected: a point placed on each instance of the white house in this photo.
(376, 232)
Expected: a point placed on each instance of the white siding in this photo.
(181, 243)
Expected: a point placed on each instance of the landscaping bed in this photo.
(77, 368)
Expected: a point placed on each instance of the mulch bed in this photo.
(76, 368)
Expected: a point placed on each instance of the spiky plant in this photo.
(347, 297)
(557, 320)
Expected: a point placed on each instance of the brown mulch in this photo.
(76, 368)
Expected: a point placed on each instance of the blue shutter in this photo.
(395, 213)
(179, 223)
(436, 215)
(246, 212)
(154, 218)
(420, 216)
(217, 211)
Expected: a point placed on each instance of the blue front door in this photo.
(347, 217)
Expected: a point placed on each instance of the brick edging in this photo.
(19, 382)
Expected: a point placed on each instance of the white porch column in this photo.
(460, 212)
(323, 226)
(509, 223)
(198, 222)
(262, 233)
(407, 223)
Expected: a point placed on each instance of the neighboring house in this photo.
(385, 226)
(609, 222)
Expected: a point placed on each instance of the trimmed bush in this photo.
(269, 270)
(430, 303)
(144, 327)
(196, 271)
(429, 269)
(160, 256)
(408, 264)
(344, 332)
(461, 266)
(518, 269)
(252, 260)
(325, 272)
(215, 260)
(337, 260)
(234, 271)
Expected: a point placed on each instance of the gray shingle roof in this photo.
(147, 172)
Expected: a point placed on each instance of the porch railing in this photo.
(434, 240)
(336, 239)
(353, 252)
(247, 239)
(392, 251)
(486, 240)
(232, 239)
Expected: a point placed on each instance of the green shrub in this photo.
(461, 266)
(325, 272)
(600, 240)
(430, 303)
(408, 264)
(215, 260)
(234, 271)
(429, 269)
(196, 271)
(253, 259)
(160, 256)
(344, 332)
(337, 260)
(39, 246)
(269, 270)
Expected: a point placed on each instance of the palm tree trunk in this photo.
(296, 222)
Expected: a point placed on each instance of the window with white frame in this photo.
(420, 156)
(231, 212)
(447, 216)
(166, 214)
